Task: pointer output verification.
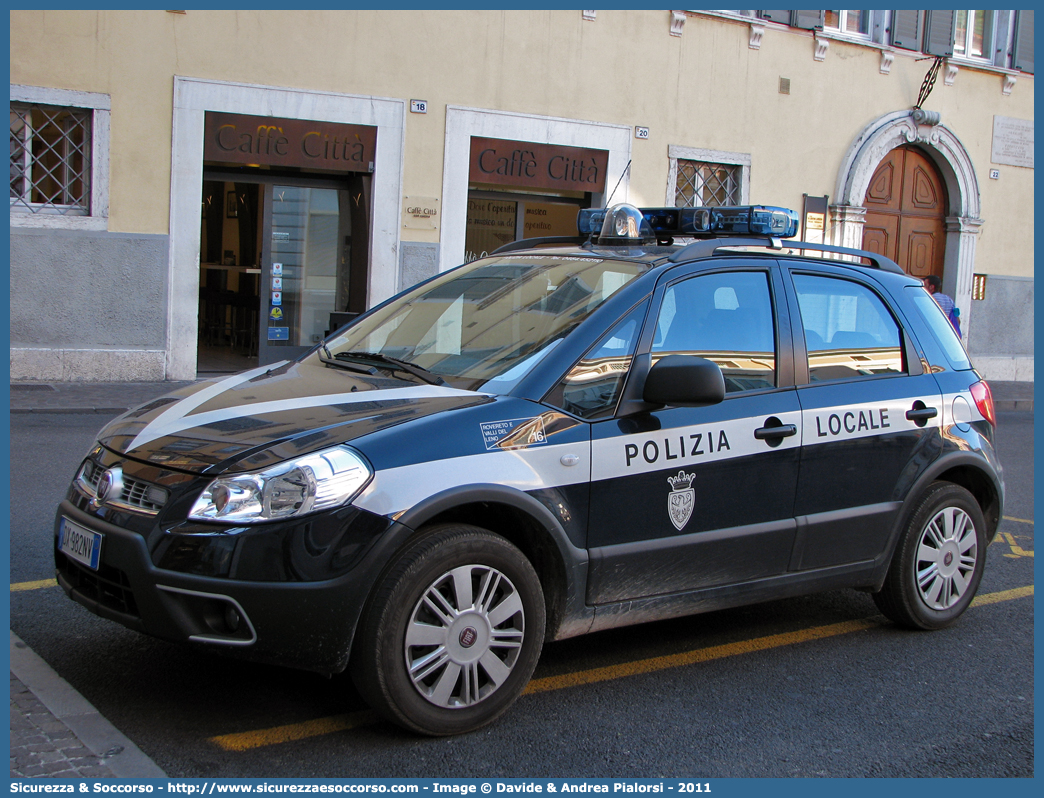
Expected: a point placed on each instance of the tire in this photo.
(938, 562)
(452, 632)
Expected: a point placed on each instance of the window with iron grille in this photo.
(701, 184)
(50, 159)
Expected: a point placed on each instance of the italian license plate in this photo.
(81, 544)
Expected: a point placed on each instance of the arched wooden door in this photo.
(906, 206)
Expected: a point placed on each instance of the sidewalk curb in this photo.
(76, 712)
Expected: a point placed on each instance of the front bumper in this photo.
(308, 625)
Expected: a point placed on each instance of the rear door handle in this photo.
(921, 414)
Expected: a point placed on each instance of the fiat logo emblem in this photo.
(948, 558)
(104, 485)
(110, 486)
(468, 637)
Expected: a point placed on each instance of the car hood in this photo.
(261, 417)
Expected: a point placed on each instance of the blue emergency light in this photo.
(627, 224)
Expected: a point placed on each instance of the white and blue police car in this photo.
(567, 436)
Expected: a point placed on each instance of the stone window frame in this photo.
(100, 106)
(677, 152)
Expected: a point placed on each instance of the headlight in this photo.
(316, 482)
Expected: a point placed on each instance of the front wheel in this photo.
(938, 561)
(452, 634)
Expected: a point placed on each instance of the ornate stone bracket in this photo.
(756, 32)
(951, 73)
(920, 128)
(677, 22)
(1008, 85)
(819, 54)
(886, 62)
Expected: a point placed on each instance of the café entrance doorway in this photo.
(278, 255)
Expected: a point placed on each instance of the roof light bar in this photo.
(738, 220)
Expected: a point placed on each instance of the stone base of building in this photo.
(1017, 368)
(88, 365)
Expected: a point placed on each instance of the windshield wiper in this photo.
(402, 365)
(329, 360)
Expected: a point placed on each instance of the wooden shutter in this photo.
(1022, 58)
(783, 17)
(808, 20)
(906, 29)
(939, 31)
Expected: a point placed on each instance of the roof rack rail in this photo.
(708, 247)
(547, 241)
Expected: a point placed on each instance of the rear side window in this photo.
(849, 332)
(941, 328)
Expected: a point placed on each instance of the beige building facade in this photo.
(184, 182)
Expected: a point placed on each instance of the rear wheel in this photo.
(452, 634)
(938, 562)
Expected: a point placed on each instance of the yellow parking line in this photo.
(16, 586)
(693, 657)
(1004, 595)
(244, 741)
(1020, 520)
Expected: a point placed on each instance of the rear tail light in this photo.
(983, 397)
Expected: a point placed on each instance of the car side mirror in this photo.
(684, 381)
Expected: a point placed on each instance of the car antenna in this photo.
(608, 202)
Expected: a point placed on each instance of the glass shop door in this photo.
(306, 266)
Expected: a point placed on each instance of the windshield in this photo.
(486, 324)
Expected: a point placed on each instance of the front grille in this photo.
(108, 586)
(136, 494)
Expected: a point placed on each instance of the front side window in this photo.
(725, 318)
(592, 387)
(50, 160)
(849, 332)
(973, 34)
(485, 325)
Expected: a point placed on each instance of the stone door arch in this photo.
(949, 156)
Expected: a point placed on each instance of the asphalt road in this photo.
(814, 686)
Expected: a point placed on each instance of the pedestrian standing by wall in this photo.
(933, 285)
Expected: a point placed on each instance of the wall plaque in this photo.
(238, 138)
(1012, 141)
(525, 164)
(420, 213)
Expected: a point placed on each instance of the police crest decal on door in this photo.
(681, 499)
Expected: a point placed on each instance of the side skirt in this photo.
(676, 605)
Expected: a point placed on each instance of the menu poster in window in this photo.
(491, 224)
(549, 219)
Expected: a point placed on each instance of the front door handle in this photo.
(774, 431)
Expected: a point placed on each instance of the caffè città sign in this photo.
(526, 164)
(243, 139)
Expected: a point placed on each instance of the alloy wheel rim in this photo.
(946, 558)
(464, 636)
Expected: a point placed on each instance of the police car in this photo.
(567, 436)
